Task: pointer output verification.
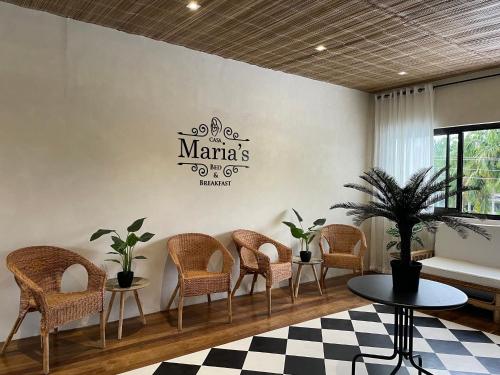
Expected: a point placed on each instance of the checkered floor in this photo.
(327, 345)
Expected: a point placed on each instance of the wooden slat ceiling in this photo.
(368, 41)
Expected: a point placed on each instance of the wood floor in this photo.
(77, 351)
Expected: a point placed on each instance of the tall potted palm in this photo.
(407, 206)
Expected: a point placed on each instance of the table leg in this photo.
(139, 306)
(376, 356)
(297, 280)
(317, 281)
(120, 321)
(403, 343)
(110, 306)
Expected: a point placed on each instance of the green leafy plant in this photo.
(304, 235)
(124, 247)
(394, 232)
(409, 204)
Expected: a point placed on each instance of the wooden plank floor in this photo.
(77, 351)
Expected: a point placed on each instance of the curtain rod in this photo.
(411, 91)
(466, 80)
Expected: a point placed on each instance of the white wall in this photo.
(472, 102)
(89, 119)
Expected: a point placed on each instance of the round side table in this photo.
(113, 287)
(431, 295)
(313, 262)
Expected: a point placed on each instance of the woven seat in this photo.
(191, 254)
(346, 248)
(254, 262)
(38, 271)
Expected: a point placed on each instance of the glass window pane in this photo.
(452, 201)
(440, 158)
(482, 169)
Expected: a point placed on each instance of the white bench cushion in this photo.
(462, 270)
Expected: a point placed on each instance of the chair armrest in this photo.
(228, 260)
(363, 246)
(37, 292)
(177, 263)
(96, 276)
(285, 254)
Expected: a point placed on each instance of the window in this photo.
(472, 152)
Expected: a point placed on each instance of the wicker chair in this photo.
(38, 271)
(342, 241)
(254, 262)
(191, 253)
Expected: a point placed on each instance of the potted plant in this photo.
(407, 206)
(124, 248)
(304, 235)
(394, 232)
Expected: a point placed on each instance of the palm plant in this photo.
(408, 205)
(394, 232)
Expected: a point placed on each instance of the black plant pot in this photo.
(125, 279)
(305, 256)
(405, 278)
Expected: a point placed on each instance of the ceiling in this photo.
(368, 42)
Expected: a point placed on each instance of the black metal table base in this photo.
(403, 343)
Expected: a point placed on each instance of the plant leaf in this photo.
(145, 237)
(112, 260)
(319, 222)
(136, 225)
(99, 233)
(289, 224)
(299, 218)
(297, 232)
(140, 257)
(113, 253)
(391, 244)
(132, 239)
(311, 238)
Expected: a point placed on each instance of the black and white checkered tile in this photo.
(326, 346)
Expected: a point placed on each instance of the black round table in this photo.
(431, 295)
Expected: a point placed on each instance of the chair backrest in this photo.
(193, 250)
(247, 239)
(342, 238)
(44, 265)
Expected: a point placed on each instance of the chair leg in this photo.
(324, 278)
(321, 276)
(16, 326)
(110, 306)
(290, 286)
(238, 283)
(253, 282)
(171, 300)
(180, 308)
(229, 307)
(102, 321)
(45, 340)
(268, 294)
(209, 299)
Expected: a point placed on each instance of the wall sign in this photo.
(215, 153)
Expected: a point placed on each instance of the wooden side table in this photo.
(113, 287)
(311, 263)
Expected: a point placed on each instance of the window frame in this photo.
(459, 131)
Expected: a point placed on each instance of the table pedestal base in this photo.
(403, 343)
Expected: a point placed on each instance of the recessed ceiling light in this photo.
(403, 73)
(320, 48)
(193, 5)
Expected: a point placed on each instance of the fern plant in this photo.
(408, 205)
(394, 232)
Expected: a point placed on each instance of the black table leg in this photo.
(403, 343)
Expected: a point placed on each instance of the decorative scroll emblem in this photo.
(214, 152)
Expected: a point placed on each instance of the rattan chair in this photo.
(254, 262)
(38, 271)
(342, 240)
(191, 253)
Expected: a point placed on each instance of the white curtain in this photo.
(403, 144)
